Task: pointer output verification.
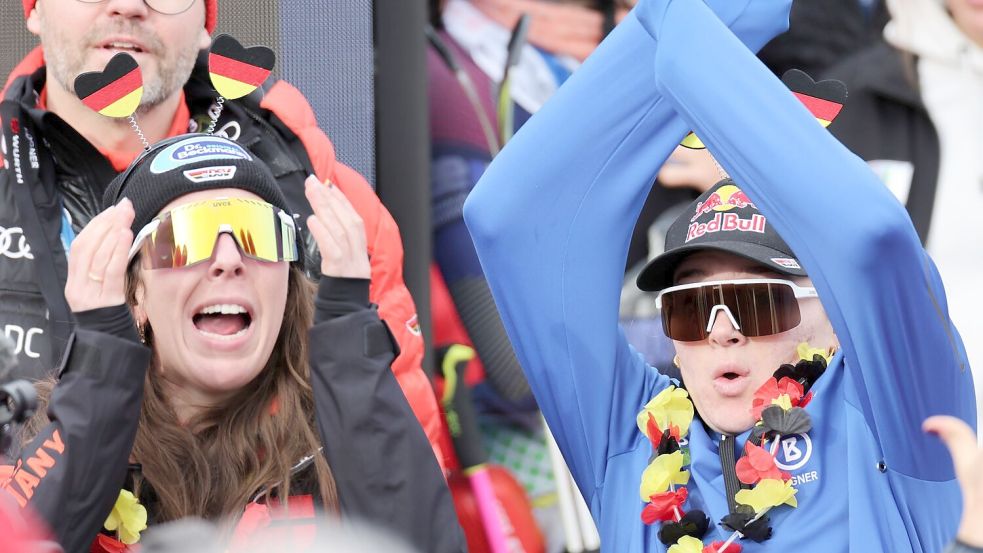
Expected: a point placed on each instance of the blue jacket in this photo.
(551, 220)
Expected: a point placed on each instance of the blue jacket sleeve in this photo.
(551, 220)
(882, 293)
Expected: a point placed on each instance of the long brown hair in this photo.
(212, 465)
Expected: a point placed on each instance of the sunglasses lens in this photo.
(761, 309)
(685, 312)
(188, 234)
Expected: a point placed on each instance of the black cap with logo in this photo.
(724, 219)
(189, 163)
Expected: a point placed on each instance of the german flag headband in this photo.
(824, 100)
(236, 71)
(117, 90)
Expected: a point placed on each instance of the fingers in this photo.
(687, 168)
(98, 258)
(331, 205)
(99, 261)
(83, 248)
(957, 436)
(338, 230)
(115, 276)
(325, 238)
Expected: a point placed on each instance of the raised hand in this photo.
(967, 457)
(687, 168)
(338, 230)
(98, 258)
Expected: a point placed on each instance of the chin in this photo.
(731, 422)
(228, 376)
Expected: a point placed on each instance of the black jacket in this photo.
(823, 32)
(884, 119)
(383, 465)
(52, 175)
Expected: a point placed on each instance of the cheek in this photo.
(692, 361)
(164, 298)
(274, 283)
(815, 328)
(187, 35)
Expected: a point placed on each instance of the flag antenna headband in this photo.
(115, 91)
(236, 71)
(823, 99)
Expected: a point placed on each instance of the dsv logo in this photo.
(14, 250)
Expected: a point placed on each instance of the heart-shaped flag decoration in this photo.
(235, 70)
(116, 90)
(823, 99)
(692, 142)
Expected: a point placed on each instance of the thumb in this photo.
(957, 436)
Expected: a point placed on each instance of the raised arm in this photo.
(551, 220)
(881, 291)
(72, 471)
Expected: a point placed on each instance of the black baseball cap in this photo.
(724, 219)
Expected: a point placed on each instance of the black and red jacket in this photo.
(71, 473)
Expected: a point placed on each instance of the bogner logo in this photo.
(11, 249)
(793, 452)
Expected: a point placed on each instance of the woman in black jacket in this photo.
(234, 405)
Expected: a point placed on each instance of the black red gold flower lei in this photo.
(779, 408)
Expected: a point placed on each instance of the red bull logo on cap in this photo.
(725, 198)
(727, 222)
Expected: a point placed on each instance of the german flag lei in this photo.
(779, 407)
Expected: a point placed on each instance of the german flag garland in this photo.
(779, 406)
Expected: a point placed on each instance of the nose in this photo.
(127, 8)
(724, 332)
(226, 258)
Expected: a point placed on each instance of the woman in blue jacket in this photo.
(826, 463)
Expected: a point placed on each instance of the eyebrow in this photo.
(754, 268)
(688, 273)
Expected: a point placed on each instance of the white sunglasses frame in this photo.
(151, 227)
(800, 292)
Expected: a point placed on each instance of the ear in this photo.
(205, 40)
(34, 21)
(139, 314)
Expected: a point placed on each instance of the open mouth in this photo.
(223, 320)
(118, 46)
(730, 376)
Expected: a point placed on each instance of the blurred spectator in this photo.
(914, 112)
(198, 536)
(822, 32)
(968, 461)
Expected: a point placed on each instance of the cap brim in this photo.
(658, 273)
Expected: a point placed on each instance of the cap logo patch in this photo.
(207, 174)
(727, 222)
(786, 262)
(725, 198)
(194, 150)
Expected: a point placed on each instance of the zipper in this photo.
(728, 465)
